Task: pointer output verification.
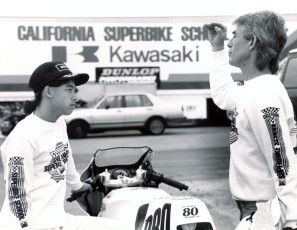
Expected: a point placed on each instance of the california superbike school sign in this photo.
(174, 45)
(88, 44)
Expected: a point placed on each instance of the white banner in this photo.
(175, 46)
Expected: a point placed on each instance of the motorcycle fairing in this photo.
(153, 208)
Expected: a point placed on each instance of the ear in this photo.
(48, 91)
(253, 42)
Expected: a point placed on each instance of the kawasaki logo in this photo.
(88, 53)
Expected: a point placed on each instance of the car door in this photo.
(109, 114)
(138, 108)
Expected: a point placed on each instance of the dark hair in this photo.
(269, 29)
(30, 106)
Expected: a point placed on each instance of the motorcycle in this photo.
(126, 188)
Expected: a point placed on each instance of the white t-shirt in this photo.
(37, 163)
(263, 134)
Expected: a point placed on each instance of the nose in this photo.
(230, 43)
(74, 97)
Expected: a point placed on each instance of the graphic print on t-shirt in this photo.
(233, 132)
(281, 162)
(16, 190)
(56, 168)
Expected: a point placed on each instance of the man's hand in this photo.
(216, 35)
(86, 188)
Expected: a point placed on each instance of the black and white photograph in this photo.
(148, 115)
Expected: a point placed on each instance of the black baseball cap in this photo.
(54, 71)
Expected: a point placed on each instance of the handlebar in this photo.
(97, 182)
(158, 177)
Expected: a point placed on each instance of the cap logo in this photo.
(68, 75)
(61, 67)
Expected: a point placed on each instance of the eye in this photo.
(234, 34)
(70, 90)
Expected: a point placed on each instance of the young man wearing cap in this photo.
(38, 160)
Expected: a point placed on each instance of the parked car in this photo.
(142, 111)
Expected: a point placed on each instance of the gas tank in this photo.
(153, 208)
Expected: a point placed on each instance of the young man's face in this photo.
(64, 98)
(239, 48)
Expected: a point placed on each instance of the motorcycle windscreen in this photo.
(122, 156)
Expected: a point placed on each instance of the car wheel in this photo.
(78, 129)
(155, 126)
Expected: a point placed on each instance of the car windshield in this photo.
(94, 102)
